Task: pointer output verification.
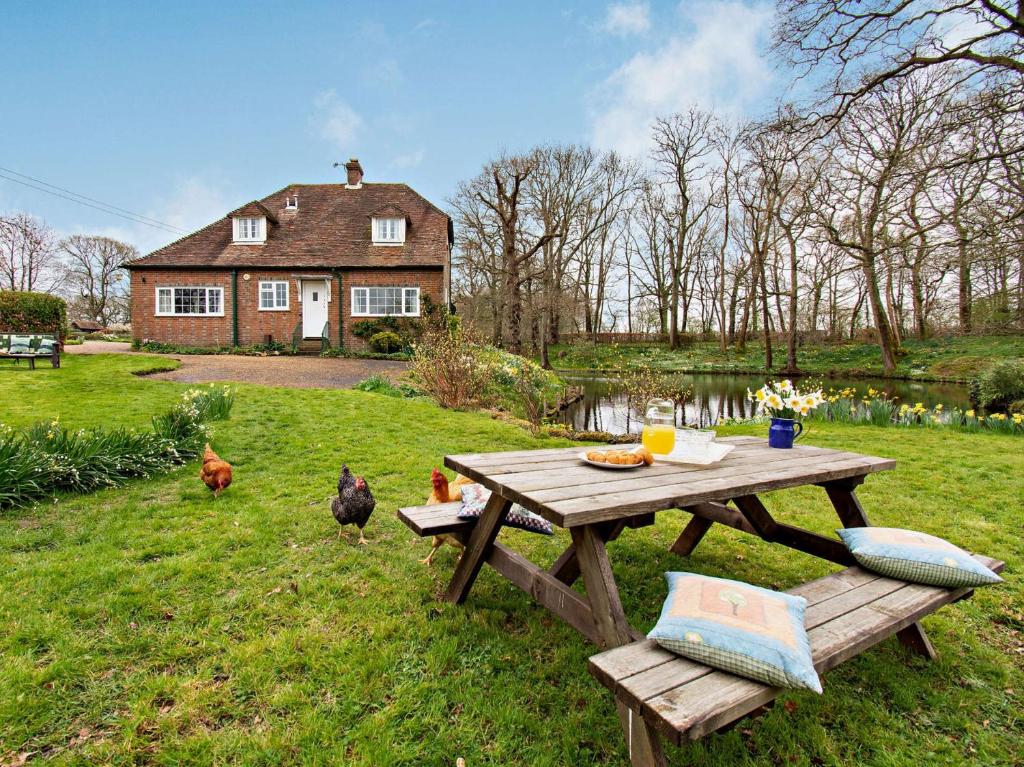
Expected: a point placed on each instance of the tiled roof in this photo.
(331, 228)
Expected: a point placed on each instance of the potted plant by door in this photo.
(786, 406)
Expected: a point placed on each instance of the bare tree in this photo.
(684, 148)
(95, 279)
(28, 254)
(866, 45)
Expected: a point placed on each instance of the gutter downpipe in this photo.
(234, 308)
(341, 311)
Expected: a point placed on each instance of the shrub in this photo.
(22, 312)
(446, 366)
(999, 386)
(386, 342)
(519, 384)
(47, 458)
(367, 328)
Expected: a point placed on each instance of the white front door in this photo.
(314, 307)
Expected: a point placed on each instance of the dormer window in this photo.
(250, 229)
(388, 231)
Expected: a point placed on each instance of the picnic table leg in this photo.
(843, 497)
(479, 546)
(614, 631)
(567, 567)
(692, 534)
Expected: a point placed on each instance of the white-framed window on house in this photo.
(388, 231)
(273, 296)
(386, 302)
(250, 229)
(189, 301)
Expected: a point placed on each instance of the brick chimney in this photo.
(355, 173)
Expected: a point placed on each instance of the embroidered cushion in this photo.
(746, 630)
(474, 498)
(916, 557)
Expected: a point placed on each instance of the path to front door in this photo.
(314, 307)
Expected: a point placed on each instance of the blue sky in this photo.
(182, 111)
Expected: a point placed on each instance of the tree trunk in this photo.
(887, 339)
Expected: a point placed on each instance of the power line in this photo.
(89, 202)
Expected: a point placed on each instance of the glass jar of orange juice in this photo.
(660, 426)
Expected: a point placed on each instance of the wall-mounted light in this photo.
(246, 276)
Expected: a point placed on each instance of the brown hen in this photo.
(444, 492)
(216, 473)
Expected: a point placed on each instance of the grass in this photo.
(958, 358)
(151, 624)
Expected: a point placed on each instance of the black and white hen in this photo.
(354, 503)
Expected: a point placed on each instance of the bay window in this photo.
(386, 302)
(189, 301)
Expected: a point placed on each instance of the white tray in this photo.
(703, 455)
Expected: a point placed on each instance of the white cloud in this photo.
(409, 159)
(627, 18)
(714, 63)
(335, 121)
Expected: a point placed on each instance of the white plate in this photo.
(598, 464)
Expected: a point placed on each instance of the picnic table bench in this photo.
(658, 693)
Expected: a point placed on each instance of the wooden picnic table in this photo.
(596, 505)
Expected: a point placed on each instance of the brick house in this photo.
(304, 263)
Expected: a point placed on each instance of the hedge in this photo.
(22, 312)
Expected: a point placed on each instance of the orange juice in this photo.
(659, 439)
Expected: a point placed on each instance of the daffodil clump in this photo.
(46, 458)
(783, 400)
(878, 408)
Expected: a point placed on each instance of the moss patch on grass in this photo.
(152, 624)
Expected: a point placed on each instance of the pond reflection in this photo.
(604, 407)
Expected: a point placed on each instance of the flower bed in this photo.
(47, 458)
(877, 408)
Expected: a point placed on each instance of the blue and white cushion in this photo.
(474, 499)
(746, 630)
(916, 557)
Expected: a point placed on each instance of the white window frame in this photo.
(405, 293)
(171, 288)
(250, 229)
(271, 285)
(398, 238)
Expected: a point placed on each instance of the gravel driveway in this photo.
(297, 372)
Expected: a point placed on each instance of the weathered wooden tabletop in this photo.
(567, 492)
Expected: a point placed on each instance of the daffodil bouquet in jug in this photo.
(785, 405)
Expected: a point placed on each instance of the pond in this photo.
(603, 407)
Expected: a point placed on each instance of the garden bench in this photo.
(28, 346)
(847, 613)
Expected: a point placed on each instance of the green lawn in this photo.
(154, 625)
(949, 359)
